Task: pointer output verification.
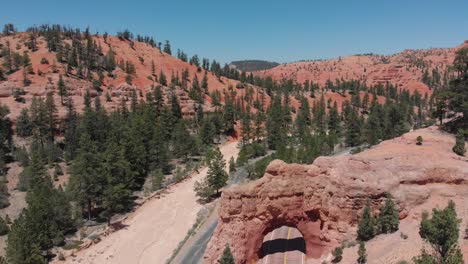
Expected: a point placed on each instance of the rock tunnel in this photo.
(308, 227)
(323, 200)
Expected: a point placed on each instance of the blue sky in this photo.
(281, 31)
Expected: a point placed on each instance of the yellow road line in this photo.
(285, 259)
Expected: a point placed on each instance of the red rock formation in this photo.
(324, 200)
(404, 69)
(141, 55)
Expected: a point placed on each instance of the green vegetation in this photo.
(109, 155)
(227, 257)
(459, 147)
(455, 97)
(387, 221)
(337, 254)
(441, 232)
(419, 141)
(215, 179)
(366, 227)
(254, 65)
(4, 229)
(42, 225)
(362, 255)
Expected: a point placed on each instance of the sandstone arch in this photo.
(307, 226)
(323, 200)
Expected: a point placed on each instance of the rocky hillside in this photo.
(324, 200)
(420, 70)
(138, 66)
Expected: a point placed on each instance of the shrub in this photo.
(419, 141)
(4, 229)
(466, 231)
(362, 259)
(459, 147)
(58, 170)
(108, 97)
(44, 61)
(337, 254)
(30, 70)
(404, 236)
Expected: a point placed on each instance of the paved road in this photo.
(283, 245)
(193, 250)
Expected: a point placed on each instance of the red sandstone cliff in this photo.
(324, 200)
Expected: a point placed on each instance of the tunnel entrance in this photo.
(283, 245)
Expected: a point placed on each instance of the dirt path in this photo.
(155, 229)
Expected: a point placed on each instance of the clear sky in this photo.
(282, 31)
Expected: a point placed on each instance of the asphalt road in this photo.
(283, 245)
(193, 254)
(192, 251)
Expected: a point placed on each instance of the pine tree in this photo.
(227, 257)
(232, 165)
(442, 231)
(207, 132)
(175, 107)
(4, 229)
(362, 259)
(217, 176)
(62, 89)
(162, 78)
(276, 134)
(366, 226)
(110, 60)
(337, 254)
(167, 48)
(334, 120)
(159, 153)
(87, 178)
(119, 180)
(6, 132)
(26, 59)
(40, 225)
(229, 115)
(71, 138)
(23, 124)
(353, 129)
(388, 218)
(4, 194)
(459, 147)
(457, 93)
(204, 83)
(373, 126)
(157, 179)
(183, 142)
(51, 116)
(303, 119)
(246, 132)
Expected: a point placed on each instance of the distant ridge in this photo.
(254, 65)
